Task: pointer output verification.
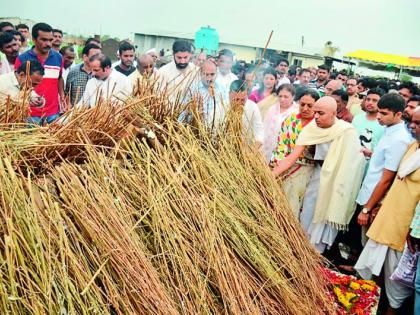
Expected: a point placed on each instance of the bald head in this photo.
(332, 86)
(145, 64)
(325, 110)
(208, 73)
(415, 124)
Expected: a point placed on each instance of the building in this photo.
(247, 50)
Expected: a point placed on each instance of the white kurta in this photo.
(252, 123)
(321, 235)
(117, 87)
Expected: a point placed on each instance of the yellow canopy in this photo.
(377, 57)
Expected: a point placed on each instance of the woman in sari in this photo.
(275, 116)
(297, 178)
(267, 87)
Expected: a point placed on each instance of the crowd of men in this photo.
(346, 148)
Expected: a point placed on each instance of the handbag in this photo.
(405, 272)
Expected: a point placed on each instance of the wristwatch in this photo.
(365, 210)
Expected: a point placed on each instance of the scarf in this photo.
(341, 172)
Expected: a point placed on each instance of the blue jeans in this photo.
(417, 290)
(42, 120)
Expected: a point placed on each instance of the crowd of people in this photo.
(346, 148)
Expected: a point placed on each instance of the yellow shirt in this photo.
(392, 223)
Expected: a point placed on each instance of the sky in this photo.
(387, 26)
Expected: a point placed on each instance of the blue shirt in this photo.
(387, 155)
(220, 99)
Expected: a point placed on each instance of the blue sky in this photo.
(381, 25)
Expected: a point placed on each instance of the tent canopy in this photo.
(385, 59)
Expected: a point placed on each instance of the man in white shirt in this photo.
(69, 55)
(10, 48)
(107, 83)
(12, 83)
(224, 66)
(252, 125)
(282, 67)
(178, 75)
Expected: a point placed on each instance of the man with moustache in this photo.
(354, 104)
(214, 96)
(51, 88)
(107, 84)
(145, 70)
(69, 55)
(57, 39)
(79, 75)
(10, 48)
(178, 75)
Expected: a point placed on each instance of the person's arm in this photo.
(378, 193)
(61, 94)
(288, 161)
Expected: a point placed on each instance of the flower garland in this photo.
(352, 295)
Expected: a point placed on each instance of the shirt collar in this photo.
(394, 128)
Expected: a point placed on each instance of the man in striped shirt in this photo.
(51, 88)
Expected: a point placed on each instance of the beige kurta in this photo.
(392, 223)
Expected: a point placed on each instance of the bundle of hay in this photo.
(195, 225)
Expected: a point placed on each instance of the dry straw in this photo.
(185, 223)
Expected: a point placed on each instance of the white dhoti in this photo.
(375, 256)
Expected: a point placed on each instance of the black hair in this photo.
(414, 98)
(409, 86)
(287, 87)
(63, 49)
(271, 71)
(4, 24)
(377, 91)
(5, 38)
(324, 67)
(22, 26)
(292, 72)
(103, 59)
(125, 46)
(302, 71)
(343, 94)
(43, 27)
(226, 52)
(182, 46)
(282, 60)
(368, 83)
(34, 66)
(56, 30)
(393, 102)
(309, 92)
(238, 86)
(14, 32)
(88, 47)
(90, 40)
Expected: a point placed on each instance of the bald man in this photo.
(145, 69)
(215, 97)
(330, 198)
(332, 86)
